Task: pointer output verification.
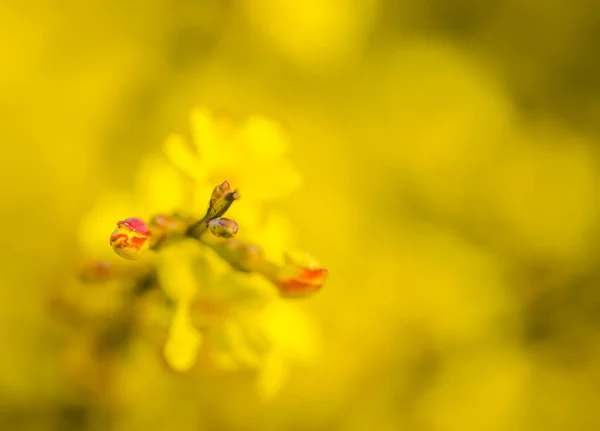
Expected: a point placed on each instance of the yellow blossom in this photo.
(221, 318)
(252, 155)
(232, 320)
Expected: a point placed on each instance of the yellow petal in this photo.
(205, 137)
(272, 375)
(264, 139)
(239, 345)
(176, 274)
(301, 258)
(273, 233)
(268, 181)
(183, 342)
(245, 290)
(181, 156)
(158, 186)
(291, 331)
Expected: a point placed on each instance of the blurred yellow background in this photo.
(449, 154)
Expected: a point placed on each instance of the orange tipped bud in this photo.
(223, 227)
(302, 275)
(305, 282)
(130, 239)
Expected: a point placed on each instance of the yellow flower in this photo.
(231, 320)
(223, 318)
(314, 35)
(253, 156)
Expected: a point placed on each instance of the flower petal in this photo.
(272, 375)
(181, 156)
(183, 342)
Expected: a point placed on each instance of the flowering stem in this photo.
(300, 275)
(197, 229)
(297, 277)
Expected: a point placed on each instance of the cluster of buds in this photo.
(133, 237)
(220, 201)
(299, 276)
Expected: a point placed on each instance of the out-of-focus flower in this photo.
(223, 295)
(130, 238)
(226, 319)
(251, 154)
(312, 34)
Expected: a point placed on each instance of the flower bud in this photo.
(223, 227)
(221, 199)
(130, 239)
(219, 191)
(302, 275)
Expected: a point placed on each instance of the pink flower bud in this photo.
(130, 239)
